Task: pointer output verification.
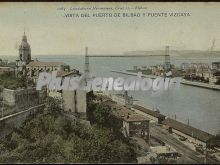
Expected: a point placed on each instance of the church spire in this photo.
(24, 38)
(25, 50)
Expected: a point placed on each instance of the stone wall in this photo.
(8, 125)
(22, 98)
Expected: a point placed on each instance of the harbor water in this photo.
(197, 106)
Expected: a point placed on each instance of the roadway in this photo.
(163, 135)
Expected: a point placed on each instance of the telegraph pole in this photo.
(205, 160)
(27, 88)
(2, 113)
(2, 101)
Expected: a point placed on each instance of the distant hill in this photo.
(183, 53)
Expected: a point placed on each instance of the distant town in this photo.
(198, 72)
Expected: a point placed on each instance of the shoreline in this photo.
(184, 82)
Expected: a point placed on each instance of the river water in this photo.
(198, 105)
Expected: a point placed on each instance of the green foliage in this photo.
(51, 137)
(102, 117)
(54, 106)
(9, 80)
(101, 114)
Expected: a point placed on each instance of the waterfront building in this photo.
(144, 67)
(154, 116)
(214, 142)
(214, 76)
(157, 70)
(207, 75)
(215, 65)
(200, 66)
(194, 135)
(176, 72)
(136, 125)
(185, 66)
(132, 124)
(135, 68)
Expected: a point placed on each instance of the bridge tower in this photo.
(167, 65)
(212, 47)
(86, 71)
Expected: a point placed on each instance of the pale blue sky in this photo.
(49, 32)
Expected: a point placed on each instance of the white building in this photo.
(35, 67)
(75, 102)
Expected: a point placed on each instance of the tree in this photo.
(54, 106)
(101, 115)
(53, 138)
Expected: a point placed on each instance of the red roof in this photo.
(148, 111)
(43, 64)
(135, 117)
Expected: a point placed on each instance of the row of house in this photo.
(209, 73)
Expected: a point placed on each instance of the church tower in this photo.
(24, 56)
(24, 50)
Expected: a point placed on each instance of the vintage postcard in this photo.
(110, 82)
